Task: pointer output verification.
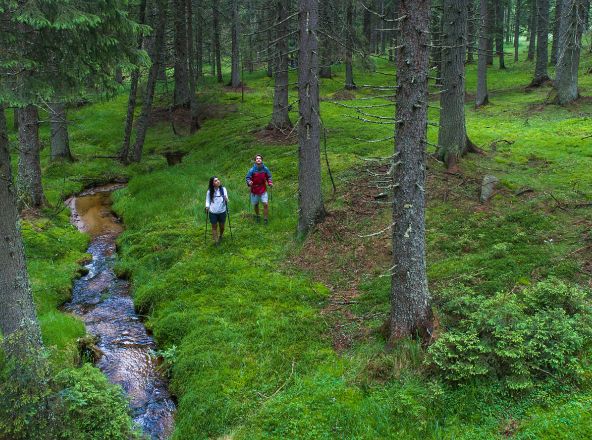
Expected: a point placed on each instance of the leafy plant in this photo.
(538, 333)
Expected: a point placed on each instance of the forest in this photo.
(295, 219)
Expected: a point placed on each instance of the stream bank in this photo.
(103, 302)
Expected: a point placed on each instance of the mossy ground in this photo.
(253, 340)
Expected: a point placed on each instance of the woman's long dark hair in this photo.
(212, 188)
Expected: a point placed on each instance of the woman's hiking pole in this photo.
(206, 228)
(229, 225)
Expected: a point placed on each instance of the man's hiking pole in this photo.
(270, 198)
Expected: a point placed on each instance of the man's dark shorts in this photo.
(218, 218)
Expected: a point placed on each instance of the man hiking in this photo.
(257, 179)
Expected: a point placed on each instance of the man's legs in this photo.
(265, 211)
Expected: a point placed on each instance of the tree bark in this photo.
(573, 18)
(118, 75)
(508, 13)
(452, 136)
(367, 24)
(60, 142)
(555, 43)
(532, 24)
(436, 49)
(270, 45)
(482, 97)
(541, 75)
(193, 108)
(411, 314)
(471, 32)
(144, 118)
(17, 309)
(235, 76)
(325, 46)
(349, 46)
(132, 98)
(280, 119)
(311, 209)
(181, 93)
(491, 26)
(129, 119)
(517, 14)
(499, 33)
(199, 46)
(216, 40)
(29, 187)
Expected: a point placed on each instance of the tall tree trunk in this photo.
(325, 46)
(60, 142)
(311, 209)
(17, 309)
(532, 30)
(491, 26)
(482, 97)
(471, 32)
(508, 12)
(129, 119)
(499, 33)
(573, 19)
(118, 75)
(280, 119)
(193, 108)
(367, 25)
(235, 79)
(349, 46)
(396, 33)
(199, 46)
(29, 187)
(144, 118)
(411, 314)
(452, 136)
(216, 40)
(436, 46)
(382, 27)
(541, 75)
(131, 100)
(517, 14)
(212, 56)
(555, 43)
(270, 45)
(181, 93)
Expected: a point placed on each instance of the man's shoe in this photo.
(265, 221)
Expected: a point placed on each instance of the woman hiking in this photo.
(216, 202)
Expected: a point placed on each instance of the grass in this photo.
(254, 355)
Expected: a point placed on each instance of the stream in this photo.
(103, 302)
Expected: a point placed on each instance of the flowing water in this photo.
(102, 301)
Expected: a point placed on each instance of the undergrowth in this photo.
(248, 350)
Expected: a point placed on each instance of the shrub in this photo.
(77, 404)
(538, 333)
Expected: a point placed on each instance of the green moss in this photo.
(253, 355)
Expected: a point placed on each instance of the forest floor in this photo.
(267, 337)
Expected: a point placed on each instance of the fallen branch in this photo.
(282, 386)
